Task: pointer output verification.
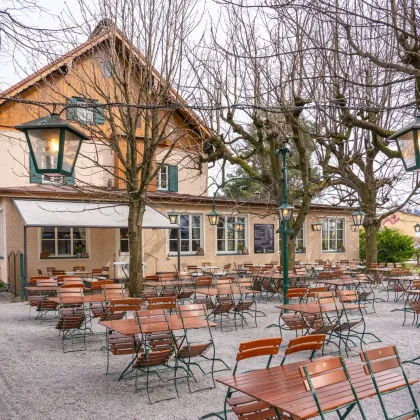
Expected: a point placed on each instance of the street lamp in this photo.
(54, 144)
(407, 140)
(239, 225)
(173, 217)
(317, 226)
(213, 216)
(358, 217)
(286, 212)
(417, 228)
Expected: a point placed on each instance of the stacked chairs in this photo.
(382, 361)
(223, 304)
(72, 321)
(191, 352)
(245, 304)
(156, 350)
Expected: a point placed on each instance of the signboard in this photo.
(263, 239)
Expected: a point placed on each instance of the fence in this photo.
(15, 273)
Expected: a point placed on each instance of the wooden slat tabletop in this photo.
(315, 308)
(129, 326)
(78, 300)
(214, 291)
(283, 387)
(342, 282)
(41, 288)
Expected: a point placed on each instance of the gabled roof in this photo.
(102, 32)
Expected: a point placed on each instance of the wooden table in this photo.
(79, 300)
(216, 291)
(42, 289)
(316, 308)
(130, 326)
(343, 282)
(283, 387)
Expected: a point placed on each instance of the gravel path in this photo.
(38, 381)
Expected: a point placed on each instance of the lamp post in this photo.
(54, 144)
(407, 139)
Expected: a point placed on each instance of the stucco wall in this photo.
(404, 222)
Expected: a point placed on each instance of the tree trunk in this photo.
(371, 244)
(135, 238)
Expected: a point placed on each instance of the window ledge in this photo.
(64, 258)
(333, 252)
(185, 254)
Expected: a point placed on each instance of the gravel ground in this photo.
(38, 381)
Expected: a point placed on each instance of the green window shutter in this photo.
(99, 115)
(71, 113)
(173, 178)
(34, 177)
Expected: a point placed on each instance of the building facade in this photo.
(179, 187)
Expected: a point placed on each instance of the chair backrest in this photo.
(96, 271)
(374, 265)
(50, 269)
(257, 348)
(300, 271)
(125, 305)
(35, 279)
(161, 302)
(382, 264)
(310, 343)
(105, 270)
(296, 293)
(192, 311)
(203, 281)
(347, 295)
(323, 373)
(324, 275)
(152, 278)
(58, 272)
(72, 284)
(225, 280)
(113, 290)
(46, 283)
(79, 268)
(227, 267)
(325, 297)
(206, 263)
(45, 280)
(312, 291)
(169, 276)
(39, 272)
(97, 285)
(395, 271)
(153, 321)
(71, 291)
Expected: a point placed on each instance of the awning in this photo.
(82, 214)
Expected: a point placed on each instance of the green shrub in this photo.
(393, 246)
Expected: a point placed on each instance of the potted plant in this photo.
(78, 249)
(245, 251)
(200, 251)
(240, 249)
(45, 254)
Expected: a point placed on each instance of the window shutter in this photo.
(99, 115)
(173, 178)
(71, 113)
(34, 177)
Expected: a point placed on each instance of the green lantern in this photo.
(54, 144)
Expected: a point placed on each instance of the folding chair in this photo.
(161, 302)
(97, 286)
(244, 406)
(79, 268)
(222, 307)
(203, 281)
(34, 279)
(310, 343)
(246, 304)
(189, 350)
(113, 291)
(45, 306)
(157, 348)
(325, 373)
(386, 359)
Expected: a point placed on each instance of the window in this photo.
(124, 245)
(300, 240)
(227, 239)
(1, 234)
(333, 235)
(162, 178)
(62, 241)
(190, 234)
(85, 114)
(106, 68)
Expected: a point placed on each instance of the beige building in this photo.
(404, 222)
(179, 188)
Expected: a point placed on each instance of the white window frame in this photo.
(333, 251)
(106, 68)
(119, 243)
(304, 242)
(190, 251)
(159, 178)
(1, 234)
(64, 256)
(235, 252)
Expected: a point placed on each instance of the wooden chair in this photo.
(156, 349)
(386, 360)
(168, 303)
(328, 372)
(105, 272)
(311, 292)
(244, 406)
(191, 349)
(39, 272)
(118, 308)
(96, 273)
(43, 305)
(97, 286)
(79, 268)
(34, 279)
(56, 273)
(310, 343)
(297, 293)
(205, 264)
(203, 281)
(72, 326)
(245, 304)
(113, 291)
(50, 270)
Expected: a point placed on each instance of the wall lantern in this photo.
(317, 226)
(213, 217)
(417, 228)
(54, 144)
(354, 228)
(173, 217)
(408, 144)
(239, 225)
